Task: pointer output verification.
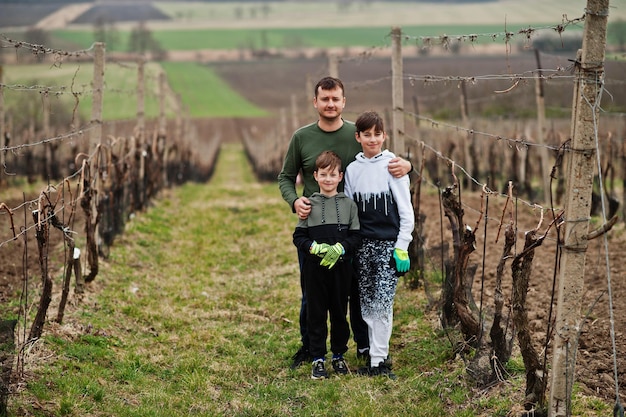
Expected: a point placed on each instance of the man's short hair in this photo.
(329, 83)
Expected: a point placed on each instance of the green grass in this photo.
(196, 312)
(202, 92)
(205, 93)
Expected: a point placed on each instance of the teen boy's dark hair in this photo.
(369, 119)
(329, 83)
(328, 159)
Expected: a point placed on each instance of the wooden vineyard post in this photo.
(467, 143)
(581, 159)
(91, 224)
(141, 115)
(295, 123)
(463, 102)
(397, 98)
(541, 122)
(308, 90)
(159, 145)
(283, 124)
(98, 92)
(416, 110)
(178, 123)
(3, 143)
(162, 104)
(139, 191)
(333, 65)
(45, 100)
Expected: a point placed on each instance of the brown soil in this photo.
(63, 16)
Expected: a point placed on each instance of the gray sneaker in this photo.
(318, 370)
(339, 365)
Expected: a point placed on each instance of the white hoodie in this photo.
(385, 209)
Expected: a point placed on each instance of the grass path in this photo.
(195, 313)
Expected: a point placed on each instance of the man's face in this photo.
(329, 103)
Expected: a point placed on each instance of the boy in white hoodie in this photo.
(387, 219)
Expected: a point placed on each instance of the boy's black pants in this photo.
(327, 293)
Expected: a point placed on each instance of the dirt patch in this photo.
(63, 16)
(119, 13)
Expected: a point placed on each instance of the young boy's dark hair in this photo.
(369, 119)
(328, 159)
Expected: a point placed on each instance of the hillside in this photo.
(285, 14)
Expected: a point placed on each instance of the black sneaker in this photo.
(339, 365)
(300, 357)
(382, 370)
(318, 370)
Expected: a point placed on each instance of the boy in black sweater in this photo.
(330, 236)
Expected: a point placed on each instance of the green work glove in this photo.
(319, 249)
(403, 263)
(332, 255)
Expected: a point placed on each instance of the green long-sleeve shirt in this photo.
(305, 146)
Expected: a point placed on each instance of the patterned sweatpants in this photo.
(377, 289)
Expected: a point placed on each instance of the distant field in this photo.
(25, 14)
(304, 14)
(365, 25)
(311, 14)
(196, 39)
(320, 24)
(201, 90)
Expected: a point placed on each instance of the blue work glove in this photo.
(319, 249)
(403, 263)
(332, 255)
